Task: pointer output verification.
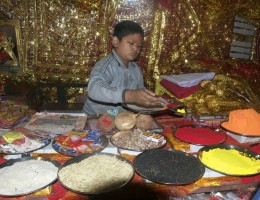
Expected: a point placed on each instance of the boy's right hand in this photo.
(142, 97)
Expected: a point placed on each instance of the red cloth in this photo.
(2, 160)
(177, 91)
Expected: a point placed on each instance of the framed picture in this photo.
(10, 45)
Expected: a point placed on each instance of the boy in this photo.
(117, 79)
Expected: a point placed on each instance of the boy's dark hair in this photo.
(127, 27)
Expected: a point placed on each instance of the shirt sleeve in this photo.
(107, 83)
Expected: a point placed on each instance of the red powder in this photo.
(200, 135)
(107, 121)
(172, 105)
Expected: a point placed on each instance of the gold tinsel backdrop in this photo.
(62, 40)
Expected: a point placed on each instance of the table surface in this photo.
(140, 188)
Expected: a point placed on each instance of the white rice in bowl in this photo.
(95, 174)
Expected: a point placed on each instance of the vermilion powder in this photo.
(202, 135)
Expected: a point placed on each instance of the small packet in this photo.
(157, 137)
(92, 135)
(147, 135)
(83, 148)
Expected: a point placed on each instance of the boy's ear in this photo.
(115, 41)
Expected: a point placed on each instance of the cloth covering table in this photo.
(139, 188)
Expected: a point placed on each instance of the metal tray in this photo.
(44, 141)
(169, 167)
(144, 110)
(13, 161)
(236, 133)
(244, 151)
(71, 152)
(213, 135)
(77, 159)
(122, 133)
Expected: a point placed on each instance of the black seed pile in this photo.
(168, 167)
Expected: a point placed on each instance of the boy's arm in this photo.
(143, 97)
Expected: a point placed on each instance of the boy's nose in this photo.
(135, 48)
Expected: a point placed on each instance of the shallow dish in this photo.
(93, 147)
(129, 140)
(28, 143)
(106, 188)
(45, 142)
(169, 167)
(236, 133)
(200, 135)
(230, 159)
(145, 110)
(29, 191)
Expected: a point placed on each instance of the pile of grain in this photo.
(95, 174)
(26, 176)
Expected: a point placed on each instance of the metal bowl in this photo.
(80, 158)
(121, 134)
(71, 152)
(243, 151)
(13, 161)
(236, 133)
(169, 167)
(44, 141)
(206, 135)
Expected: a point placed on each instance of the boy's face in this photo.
(128, 48)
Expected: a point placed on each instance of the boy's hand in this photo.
(142, 97)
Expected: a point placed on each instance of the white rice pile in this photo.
(26, 176)
(95, 174)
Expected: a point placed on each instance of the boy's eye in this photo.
(132, 43)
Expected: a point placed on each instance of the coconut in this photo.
(144, 122)
(125, 120)
(106, 123)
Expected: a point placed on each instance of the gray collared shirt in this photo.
(108, 80)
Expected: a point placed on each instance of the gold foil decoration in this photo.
(221, 95)
(156, 46)
(62, 40)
